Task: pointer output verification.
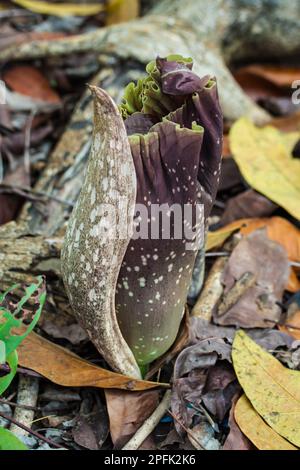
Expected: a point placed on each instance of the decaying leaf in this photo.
(255, 428)
(247, 204)
(278, 229)
(273, 390)
(128, 411)
(65, 368)
(254, 303)
(91, 428)
(264, 157)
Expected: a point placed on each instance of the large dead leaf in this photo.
(254, 279)
(65, 368)
(264, 157)
(273, 390)
(127, 412)
(278, 230)
(255, 428)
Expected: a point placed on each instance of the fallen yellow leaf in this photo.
(264, 157)
(255, 428)
(63, 367)
(217, 238)
(126, 11)
(273, 390)
(65, 9)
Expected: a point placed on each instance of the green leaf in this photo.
(8, 441)
(2, 352)
(5, 381)
(12, 341)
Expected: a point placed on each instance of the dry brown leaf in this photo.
(287, 124)
(263, 266)
(128, 411)
(255, 428)
(29, 81)
(66, 368)
(278, 230)
(279, 76)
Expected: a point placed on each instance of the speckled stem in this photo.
(91, 261)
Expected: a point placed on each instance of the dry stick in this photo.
(241, 286)
(211, 292)
(143, 432)
(30, 431)
(27, 138)
(28, 390)
(18, 405)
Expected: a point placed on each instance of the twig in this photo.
(27, 137)
(241, 286)
(188, 431)
(16, 12)
(30, 431)
(18, 405)
(33, 194)
(211, 292)
(217, 254)
(143, 432)
(28, 390)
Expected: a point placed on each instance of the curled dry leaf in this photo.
(65, 368)
(273, 390)
(255, 428)
(253, 304)
(264, 156)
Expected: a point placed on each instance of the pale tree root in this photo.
(28, 390)
(150, 424)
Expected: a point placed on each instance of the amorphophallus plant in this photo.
(134, 233)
